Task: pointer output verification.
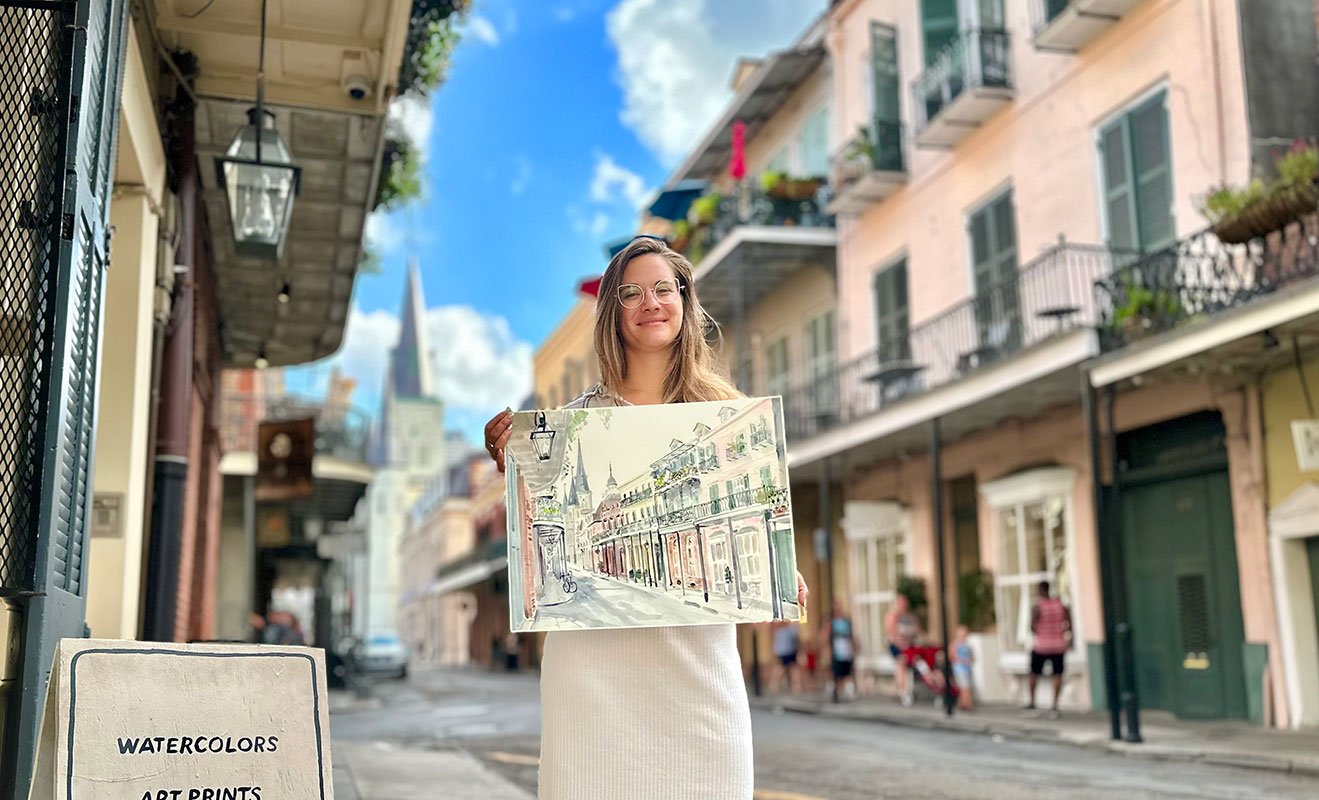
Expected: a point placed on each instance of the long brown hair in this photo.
(694, 374)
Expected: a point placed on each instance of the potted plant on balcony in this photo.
(1239, 215)
(681, 236)
(1143, 309)
(784, 187)
(704, 209)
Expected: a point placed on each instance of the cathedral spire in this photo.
(612, 484)
(410, 372)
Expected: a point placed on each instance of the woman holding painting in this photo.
(645, 712)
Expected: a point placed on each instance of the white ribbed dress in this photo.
(644, 712)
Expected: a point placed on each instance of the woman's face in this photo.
(653, 325)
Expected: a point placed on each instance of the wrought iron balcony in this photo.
(1068, 25)
(1201, 277)
(966, 85)
(1051, 296)
(342, 431)
(795, 205)
(869, 168)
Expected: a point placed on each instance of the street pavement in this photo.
(471, 733)
(602, 602)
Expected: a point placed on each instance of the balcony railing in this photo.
(974, 72)
(1052, 295)
(1200, 277)
(869, 167)
(752, 206)
(341, 430)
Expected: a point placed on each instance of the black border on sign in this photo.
(315, 694)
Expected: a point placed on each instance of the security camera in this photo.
(357, 86)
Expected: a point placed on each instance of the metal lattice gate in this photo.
(61, 66)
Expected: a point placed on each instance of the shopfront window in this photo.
(1030, 513)
(878, 544)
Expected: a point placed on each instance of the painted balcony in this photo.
(752, 240)
(1002, 352)
(869, 168)
(968, 83)
(1199, 282)
(1066, 26)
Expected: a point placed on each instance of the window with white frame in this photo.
(1031, 524)
(878, 547)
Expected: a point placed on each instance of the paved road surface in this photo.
(495, 717)
(603, 602)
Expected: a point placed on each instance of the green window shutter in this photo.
(938, 26)
(1152, 171)
(813, 144)
(993, 236)
(776, 367)
(766, 478)
(1138, 178)
(886, 119)
(820, 344)
(892, 312)
(1119, 199)
(60, 114)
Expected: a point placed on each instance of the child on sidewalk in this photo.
(963, 658)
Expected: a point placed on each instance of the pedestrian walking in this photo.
(903, 629)
(663, 709)
(963, 659)
(787, 645)
(842, 652)
(1051, 624)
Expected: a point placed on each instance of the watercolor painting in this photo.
(650, 515)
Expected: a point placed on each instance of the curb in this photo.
(1046, 735)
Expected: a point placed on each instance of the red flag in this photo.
(737, 163)
(590, 286)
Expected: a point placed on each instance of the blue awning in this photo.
(615, 247)
(673, 202)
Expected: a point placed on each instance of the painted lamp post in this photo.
(542, 438)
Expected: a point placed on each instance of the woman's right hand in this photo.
(497, 431)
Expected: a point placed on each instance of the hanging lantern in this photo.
(542, 437)
(260, 182)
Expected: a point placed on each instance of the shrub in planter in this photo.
(1143, 307)
(705, 208)
(1239, 215)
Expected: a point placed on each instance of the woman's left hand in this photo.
(803, 591)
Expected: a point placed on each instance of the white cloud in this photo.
(412, 116)
(612, 182)
(479, 365)
(382, 233)
(483, 30)
(522, 177)
(593, 224)
(675, 59)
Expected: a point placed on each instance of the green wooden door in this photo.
(886, 80)
(1183, 591)
(892, 316)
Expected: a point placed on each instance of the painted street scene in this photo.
(697, 530)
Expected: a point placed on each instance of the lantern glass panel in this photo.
(260, 195)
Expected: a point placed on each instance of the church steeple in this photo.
(612, 484)
(579, 480)
(409, 373)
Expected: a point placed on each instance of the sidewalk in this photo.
(1227, 743)
(379, 771)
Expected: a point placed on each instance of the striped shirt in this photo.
(1051, 626)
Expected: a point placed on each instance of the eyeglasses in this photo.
(630, 295)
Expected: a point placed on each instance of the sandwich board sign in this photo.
(148, 721)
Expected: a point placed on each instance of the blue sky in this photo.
(558, 119)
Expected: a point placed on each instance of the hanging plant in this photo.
(706, 208)
(1239, 215)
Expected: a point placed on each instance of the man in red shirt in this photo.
(1051, 623)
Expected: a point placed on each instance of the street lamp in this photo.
(259, 181)
(542, 437)
(258, 177)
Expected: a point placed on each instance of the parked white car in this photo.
(384, 654)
